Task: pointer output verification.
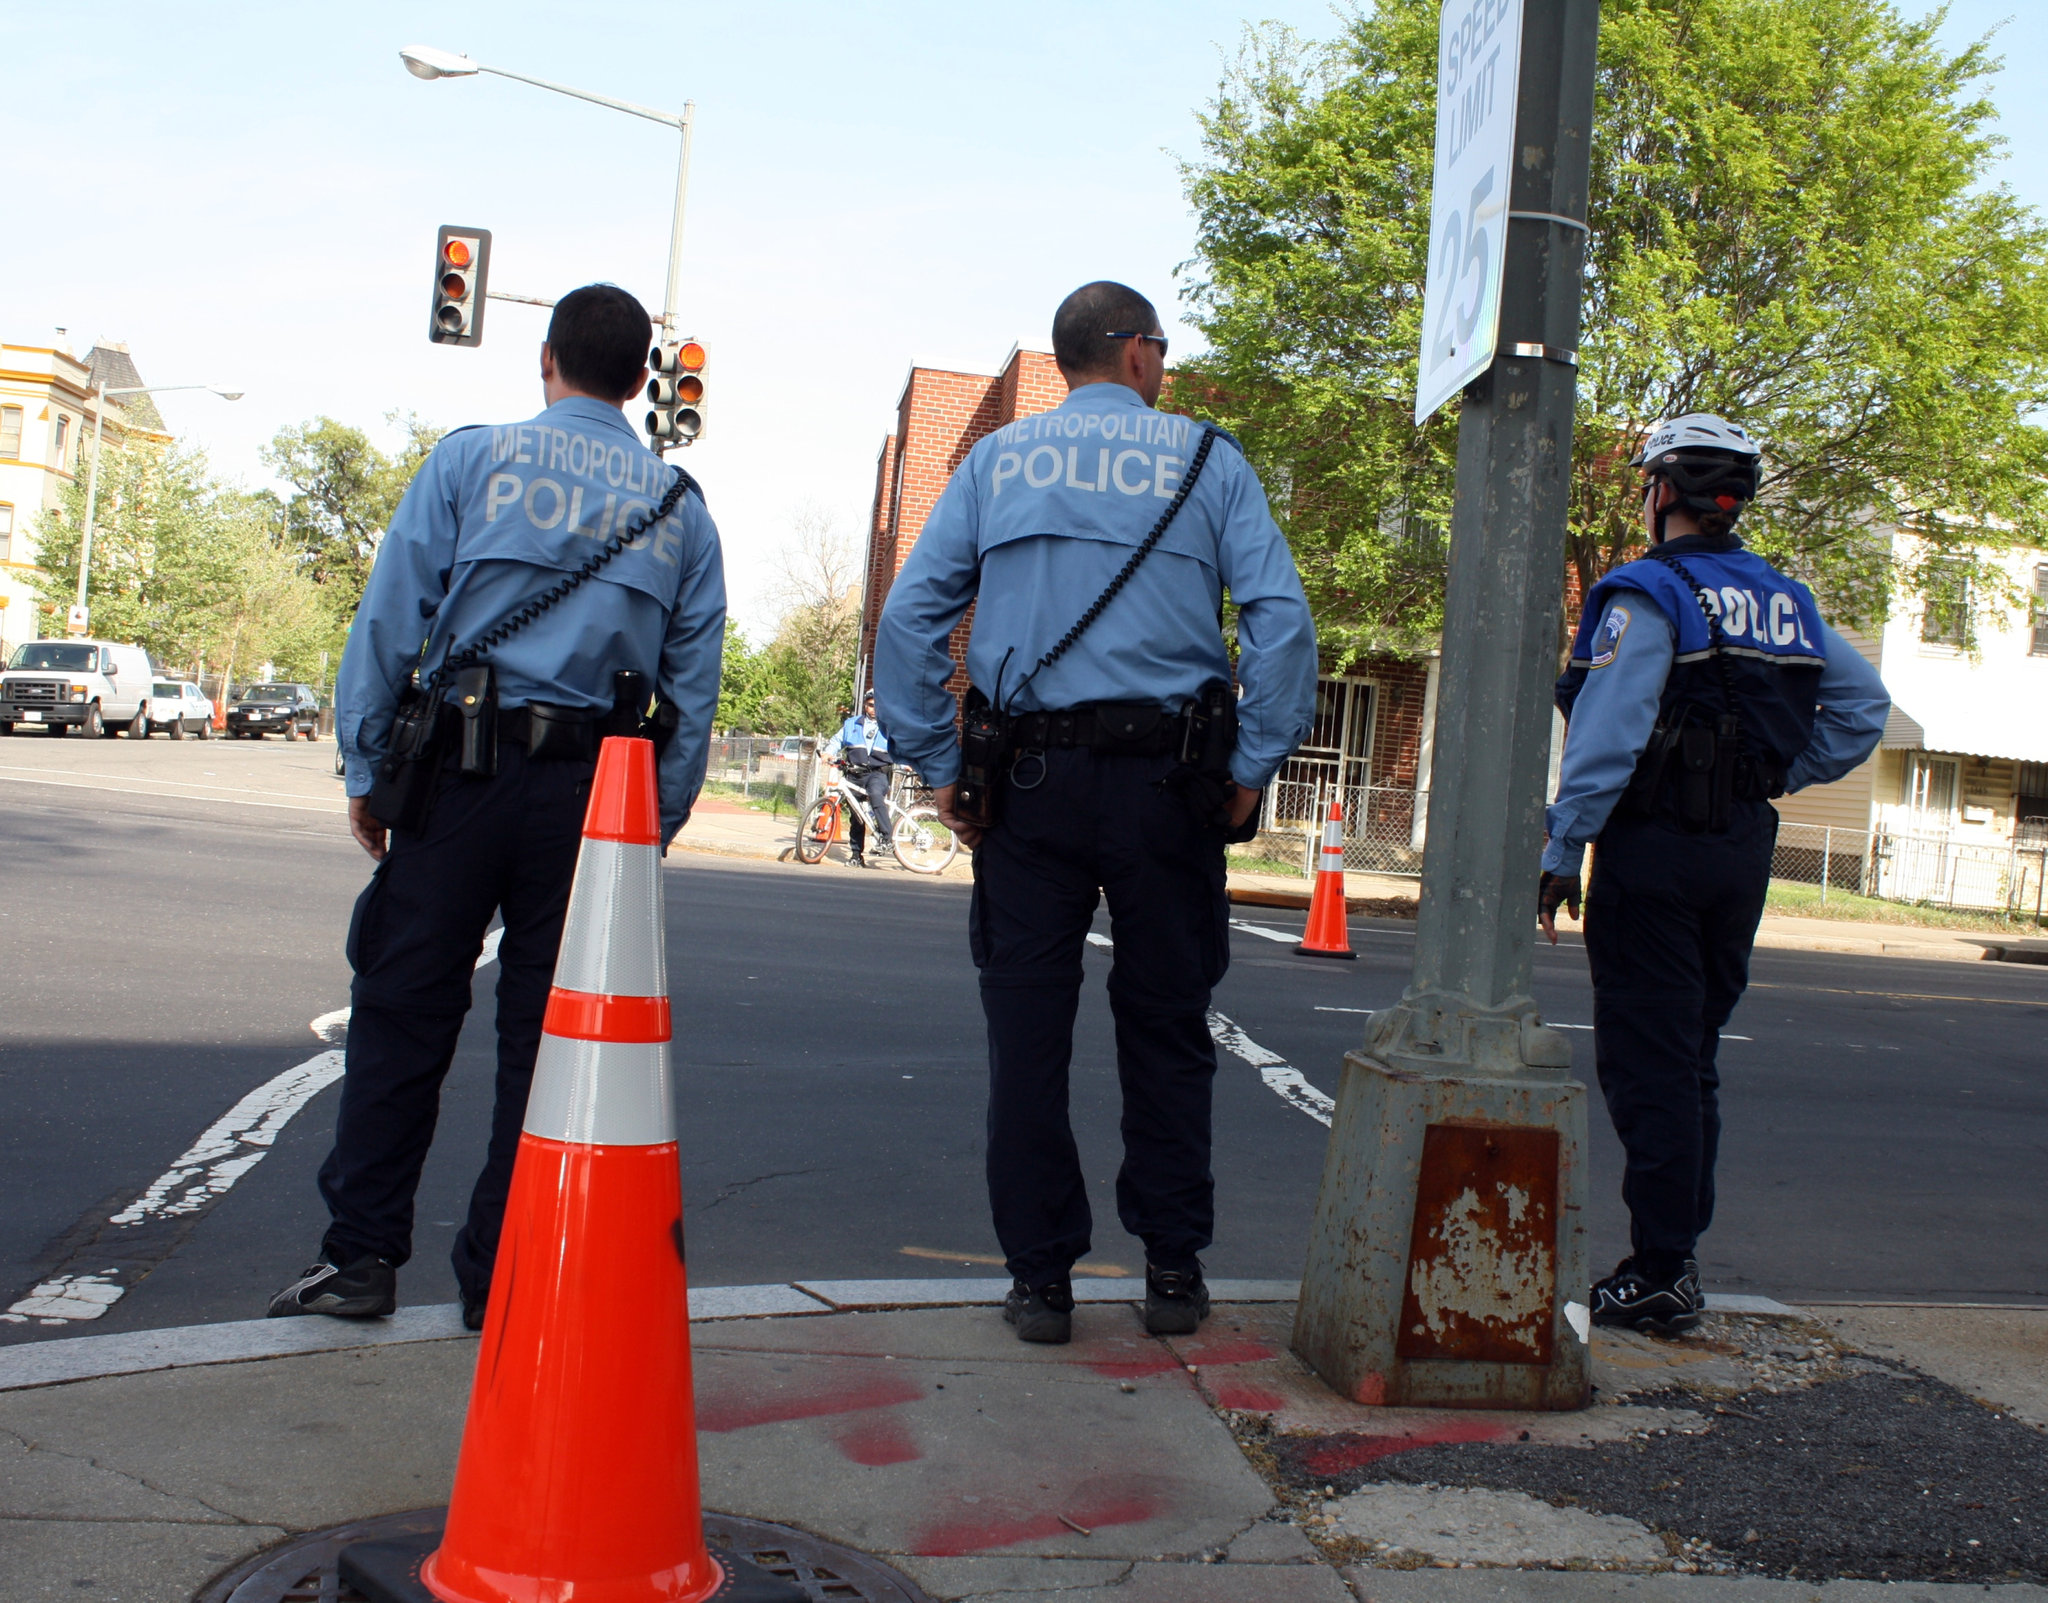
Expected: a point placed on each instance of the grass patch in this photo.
(1803, 901)
(1246, 863)
(763, 796)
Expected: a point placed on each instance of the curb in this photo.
(76, 1358)
(1373, 906)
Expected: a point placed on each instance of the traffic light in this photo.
(462, 261)
(677, 391)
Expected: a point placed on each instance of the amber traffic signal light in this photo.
(676, 389)
(462, 261)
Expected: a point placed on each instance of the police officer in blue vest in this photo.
(1100, 657)
(1702, 683)
(476, 637)
(864, 749)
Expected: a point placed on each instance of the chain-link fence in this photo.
(779, 767)
(1943, 872)
(1934, 870)
(1382, 823)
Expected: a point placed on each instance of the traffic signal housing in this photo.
(676, 390)
(462, 264)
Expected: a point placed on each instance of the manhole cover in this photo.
(303, 1570)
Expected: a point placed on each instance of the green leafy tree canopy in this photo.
(347, 490)
(1791, 226)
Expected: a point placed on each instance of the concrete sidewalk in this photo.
(903, 1419)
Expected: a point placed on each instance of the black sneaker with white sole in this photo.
(1041, 1313)
(365, 1289)
(1632, 1300)
(1176, 1300)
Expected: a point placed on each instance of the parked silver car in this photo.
(177, 708)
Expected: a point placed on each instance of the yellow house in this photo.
(46, 421)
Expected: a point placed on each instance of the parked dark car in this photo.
(287, 710)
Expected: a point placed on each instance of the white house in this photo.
(1953, 806)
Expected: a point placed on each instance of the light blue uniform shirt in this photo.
(1617, 708)
(1035, 522)
(858, 732)
(494, 517)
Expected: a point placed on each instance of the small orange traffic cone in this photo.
(578, 1476)
(1326, 935)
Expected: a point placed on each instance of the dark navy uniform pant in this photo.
(875, 782)
(505, 844)
(1670, 920)
(1098, 824)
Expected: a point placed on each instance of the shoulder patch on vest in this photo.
(1608, 640)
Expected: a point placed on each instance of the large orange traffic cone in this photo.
(1327, 935)
(578, 1476)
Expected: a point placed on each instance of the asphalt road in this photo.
(162, 956)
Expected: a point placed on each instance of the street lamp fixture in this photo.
(424, 61)
(92, 482)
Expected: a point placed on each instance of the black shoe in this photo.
(1176, 1300)
(855, 860)
(1630, 1299)
(365, 1289)
(1045, 1313)
(473, 1311)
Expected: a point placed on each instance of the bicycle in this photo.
(922, 844)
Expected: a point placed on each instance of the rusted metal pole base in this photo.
(1448, 1254)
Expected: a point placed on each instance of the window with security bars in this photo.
(1946, 620)
(2040, 645)
(10, 433)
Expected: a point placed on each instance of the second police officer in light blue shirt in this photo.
(864, 750)
(1702, 683)
(474, 566)
(1032, 528)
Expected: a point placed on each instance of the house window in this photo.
(1931, 788)
(2040, 646)
(1946, 621)
(63, 438)
(10, 433)
(6, 531)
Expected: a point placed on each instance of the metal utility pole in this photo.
(1447, 1264)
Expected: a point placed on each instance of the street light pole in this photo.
(424, 61)
(92, 477)
(1448, 1253)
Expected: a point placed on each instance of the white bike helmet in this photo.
(1711, 463)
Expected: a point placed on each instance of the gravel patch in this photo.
(1875, 1475)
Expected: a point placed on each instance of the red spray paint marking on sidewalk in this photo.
(742, 1411)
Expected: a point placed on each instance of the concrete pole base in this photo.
(1447, 1266)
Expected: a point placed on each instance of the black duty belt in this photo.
(1134, 728)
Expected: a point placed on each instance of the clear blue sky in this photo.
(248, 194)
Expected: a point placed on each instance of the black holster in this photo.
(1692, 768)
(1202, 776)
(402, 789)
(984, 749)
(476, 703)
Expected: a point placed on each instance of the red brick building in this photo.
(1372, 725)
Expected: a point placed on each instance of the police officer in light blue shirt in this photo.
(1702, 683)
(864, 750)
(1032, 529)
(478, 566)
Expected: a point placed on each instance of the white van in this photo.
(93, 686)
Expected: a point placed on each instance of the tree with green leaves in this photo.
(347, 490)
(1791, 225)
(187, 567)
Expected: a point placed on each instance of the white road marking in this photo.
(231, 1146)
(1261, 930)
(1321, 1009)
(1281, 1077)
(1549, 1024)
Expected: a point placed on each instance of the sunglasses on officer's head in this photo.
(1132, 334)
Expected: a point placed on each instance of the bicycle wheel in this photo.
(923, 844)
(815, 833)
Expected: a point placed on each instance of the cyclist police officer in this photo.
(864, 749)
(1035, 523)
(1702, 683)
(496, 517)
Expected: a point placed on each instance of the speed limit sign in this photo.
(1478, 70)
